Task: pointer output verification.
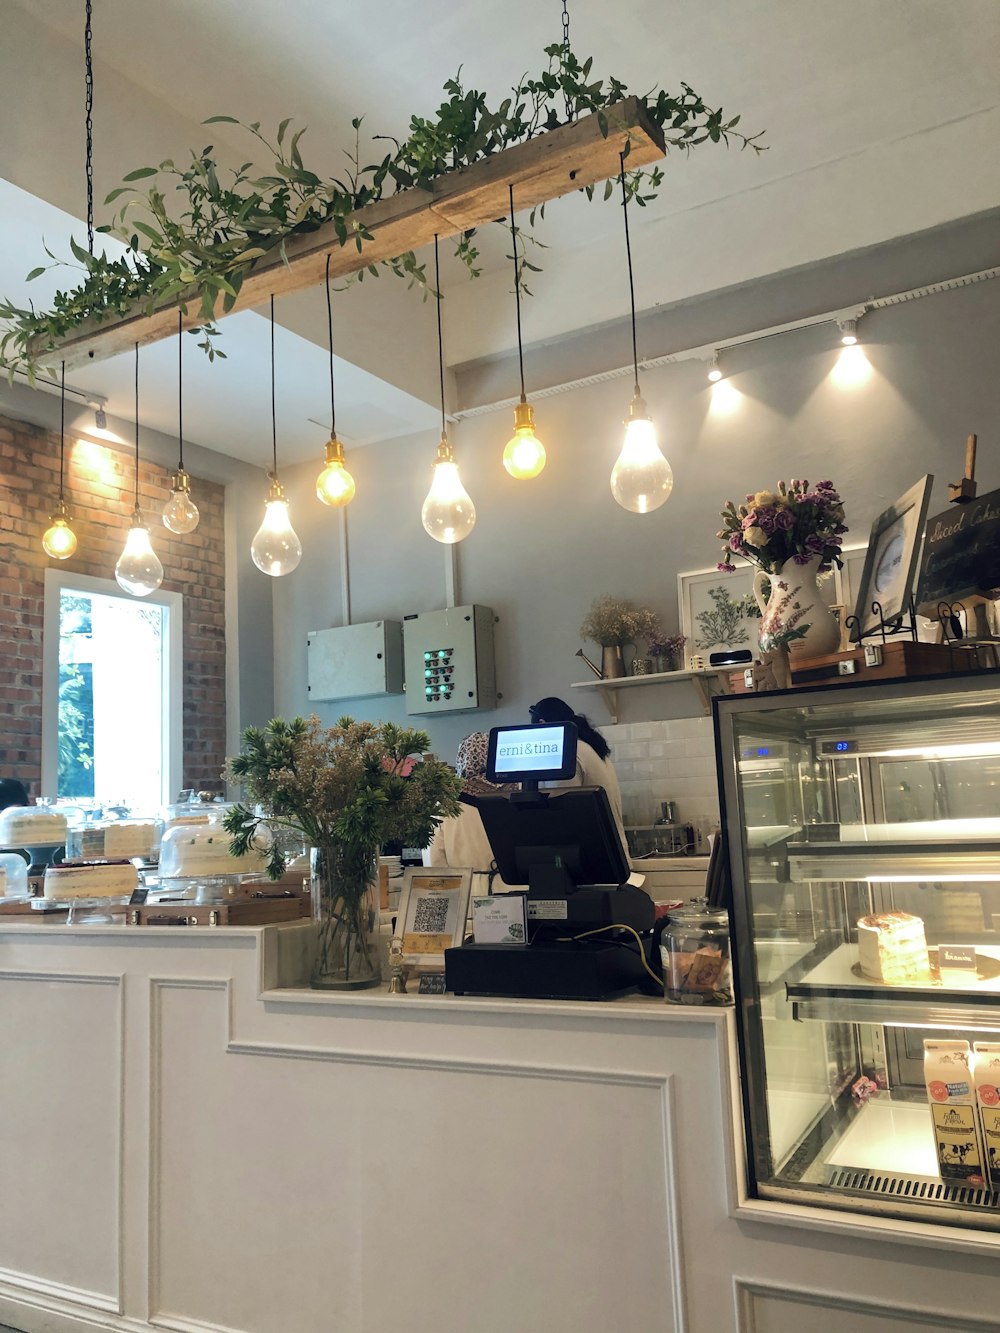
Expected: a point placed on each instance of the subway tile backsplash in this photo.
(666, 761)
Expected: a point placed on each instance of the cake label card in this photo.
(500, 919)
(139, 896)
(960, 958)
(432, 983)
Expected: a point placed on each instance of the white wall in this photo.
(541, 551)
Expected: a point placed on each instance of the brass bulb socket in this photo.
(445, 453)
(137, 519)
(181, 481)
(60, 513)
(334, 451)
(277, 491)
(524, 416)
(637, 410)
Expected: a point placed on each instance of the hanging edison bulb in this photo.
(335, 485)
(180, 514)
(641, 479)
(524, 456)
(138, 570)
(448, 513)
(59, 540)
(276, 549)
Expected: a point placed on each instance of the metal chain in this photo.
(87, 35)
(565, 42)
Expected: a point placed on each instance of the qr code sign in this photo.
(431, 916)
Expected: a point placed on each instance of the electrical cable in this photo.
(631, 284)
(602, 930)
(437, 293)
(137, 426)
(180, 390)
(517, 291)
(89, 120)
(274, 417)
(329, 334)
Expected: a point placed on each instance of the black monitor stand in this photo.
(566, 846)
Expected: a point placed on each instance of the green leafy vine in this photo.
(202, 251)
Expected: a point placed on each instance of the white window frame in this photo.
(58, 581)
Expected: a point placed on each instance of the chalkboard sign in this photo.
(961, 556)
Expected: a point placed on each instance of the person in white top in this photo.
(460, 840)
(593, 756)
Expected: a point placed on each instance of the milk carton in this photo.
(987, 1076)
(952, 1095)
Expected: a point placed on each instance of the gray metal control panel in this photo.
(355, 661)
(449, 662)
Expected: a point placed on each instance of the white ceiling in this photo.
(881, 119)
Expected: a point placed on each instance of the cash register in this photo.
(586, 914)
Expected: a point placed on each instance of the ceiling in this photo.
(880, 120)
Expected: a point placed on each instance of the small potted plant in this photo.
(613, 622)
(667, 652)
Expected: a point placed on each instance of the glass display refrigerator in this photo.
(863, 828)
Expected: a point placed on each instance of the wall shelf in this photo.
(706, 684)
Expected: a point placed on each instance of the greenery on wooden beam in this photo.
(222, 229)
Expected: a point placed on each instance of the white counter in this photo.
(189, 1140)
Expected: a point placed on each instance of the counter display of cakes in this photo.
(196, 863)
(863, 831)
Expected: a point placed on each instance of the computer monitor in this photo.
(533, 753)
(572, 831)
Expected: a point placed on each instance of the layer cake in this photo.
(892, 948)
(90, 879)
(29, 826)
(201, 851)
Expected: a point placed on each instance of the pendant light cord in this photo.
(329, 335)
(437, 292)
(565, 47)
(274, 418)
(137, 425)
(180, 390)
(631, 287)
(62, 431)
(89, 79)
(517, 290)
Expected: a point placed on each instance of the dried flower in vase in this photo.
(614, 620)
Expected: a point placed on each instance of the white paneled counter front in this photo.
(190, 1140)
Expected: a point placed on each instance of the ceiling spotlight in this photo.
(100, 418)
(714, 371)
(848, 331)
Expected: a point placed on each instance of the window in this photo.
(111, 706)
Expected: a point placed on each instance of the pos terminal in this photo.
(584, 915)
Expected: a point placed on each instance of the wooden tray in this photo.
(242, 912)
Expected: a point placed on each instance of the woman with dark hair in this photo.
(460, 840)
(12, 792)
(593, 755)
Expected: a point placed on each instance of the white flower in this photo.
(755, 536)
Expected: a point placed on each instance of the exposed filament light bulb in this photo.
(335, 485)
(276, 549)
(641, 479)
(180, 513)
(138, 570)
(524, 456)
(59, 540)
(448, 514)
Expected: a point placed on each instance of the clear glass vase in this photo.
(345, 904)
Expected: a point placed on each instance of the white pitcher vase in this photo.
(795, 602)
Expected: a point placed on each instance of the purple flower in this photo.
(801, 559)
(726, 567)
(784, 520)
(736, 542)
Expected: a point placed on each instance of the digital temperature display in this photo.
(839, 747)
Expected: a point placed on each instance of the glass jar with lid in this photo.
(694, 951)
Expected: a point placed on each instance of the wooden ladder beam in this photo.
(545, 167)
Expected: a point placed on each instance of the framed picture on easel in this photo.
(891, 562)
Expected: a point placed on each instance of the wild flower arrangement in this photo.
(347, 790)
(667, 645)
(356, 785)
(792, 523)
(613, 620)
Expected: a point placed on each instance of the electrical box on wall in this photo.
(355, 661)
(449, 660)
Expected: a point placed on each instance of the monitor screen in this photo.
(573, 829)
(532, 753)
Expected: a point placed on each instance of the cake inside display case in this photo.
(31, 826)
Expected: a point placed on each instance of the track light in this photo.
(100, 418)
(848, 331)
(714, 371)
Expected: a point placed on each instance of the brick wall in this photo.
(99, 488)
